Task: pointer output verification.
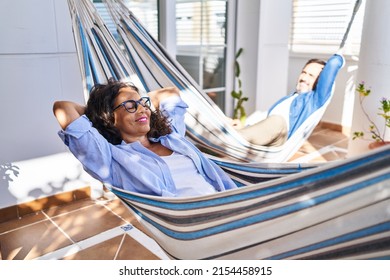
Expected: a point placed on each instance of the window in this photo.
(200, 38)
(145, 10)
(320, 25)
(201, 43)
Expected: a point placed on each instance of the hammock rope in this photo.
(354, 12)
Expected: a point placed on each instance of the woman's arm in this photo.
(83, 140)
(67, 111)
(168, 100)
(157, 96)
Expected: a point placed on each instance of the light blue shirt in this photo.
(133, 167)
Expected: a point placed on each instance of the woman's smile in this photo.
(142, 119)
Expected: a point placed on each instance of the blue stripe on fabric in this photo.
(313, 178)
(383, 258)
(238, 183)
(267, 215)
(103, 51)
(150, 53)
(143, 31)
(337, 240)
(86, 52)
(258, 169)
(136, 68)
(150, 72)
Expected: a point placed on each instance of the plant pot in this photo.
(377, 144)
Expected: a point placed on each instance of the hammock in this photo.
(150, 67)
(338, 210)
(101, 57)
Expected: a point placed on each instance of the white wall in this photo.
(247, 37)
(38, 65)
(263, 32)
(374, 70)
(275, 20)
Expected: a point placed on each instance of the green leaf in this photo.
(237, 70)
(239, 52)
(235, 95)
(357, 134)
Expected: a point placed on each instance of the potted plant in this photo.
(383, 111)
(239, 110)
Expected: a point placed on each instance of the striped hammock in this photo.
(338, 211)
(141, 59)
(101, 57)
(334, 211)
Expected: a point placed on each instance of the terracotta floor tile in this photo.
(87, 222)
(8, 213)
(32, 241)
(308, 147)
(342, 144)
(297, 155)
(105, 250)
(120, 209)
(69, 207)
(330, 156)
(132, 250)
(324, 139)
(122, 247)
(318, 128)
(338, 134)
(23, 221)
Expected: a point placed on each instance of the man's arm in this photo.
(327, 77)
(67, 111)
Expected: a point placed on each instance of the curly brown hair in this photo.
(100, 112)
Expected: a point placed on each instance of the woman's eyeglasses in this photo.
(131, 106)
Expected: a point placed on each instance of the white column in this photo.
(167, 25)
(263, 29)
(374, 70)
(273, 52)
(247, 34)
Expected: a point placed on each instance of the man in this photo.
(314, 88)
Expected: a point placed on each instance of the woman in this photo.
(122, 142)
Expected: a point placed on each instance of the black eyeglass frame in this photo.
(144, 99)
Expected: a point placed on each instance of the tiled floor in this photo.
(323, 145)
(86, 229)
(105, 229)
